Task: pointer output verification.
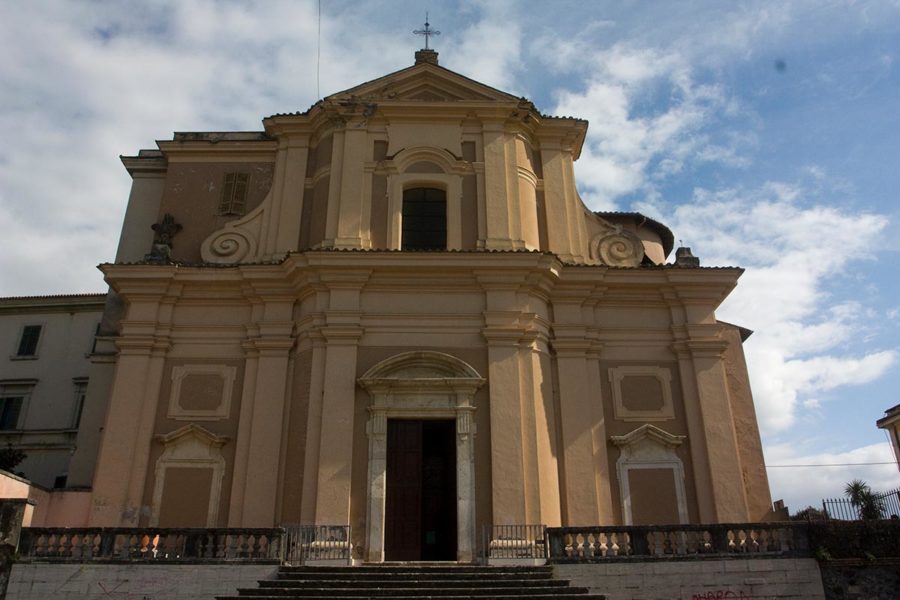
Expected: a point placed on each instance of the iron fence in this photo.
(514, 542)
(310, 543)
(843, 509)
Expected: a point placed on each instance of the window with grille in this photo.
(424, 219)
(234, 193)
(28, 343)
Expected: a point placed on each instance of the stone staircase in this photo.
(408, 581)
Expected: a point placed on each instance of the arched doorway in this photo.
(420, 412)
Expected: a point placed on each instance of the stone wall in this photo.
(736, 579)
(877, 580)
(68, 581)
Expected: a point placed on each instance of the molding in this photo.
(221, 411)
(665, 413)
(190, 446)
(649, 447)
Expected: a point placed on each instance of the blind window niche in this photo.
(424, 219)
(234, 194)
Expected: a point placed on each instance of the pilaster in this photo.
(341, 332)
(282, 228)
(128, 432)
(269, 349)
(501, 190)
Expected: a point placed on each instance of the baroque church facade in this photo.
(393, 311)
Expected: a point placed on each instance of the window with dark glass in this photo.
(29, 341)
(234, 193)
(424, 219)
(10, 407)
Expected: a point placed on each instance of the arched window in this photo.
(424, 219)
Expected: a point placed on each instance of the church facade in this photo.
(393, 311)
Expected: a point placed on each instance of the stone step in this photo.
(413, 590)
(392, 568)
(442, 576)
(415, 582)
(409, 581)
(566, 596)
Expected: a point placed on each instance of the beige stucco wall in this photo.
(388, 304)
(192, 194)
(753, 467)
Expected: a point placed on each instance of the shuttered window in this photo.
(234, 194)
(424, 219)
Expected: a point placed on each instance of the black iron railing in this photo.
(887, 505)
(310, 543)
(510, 542)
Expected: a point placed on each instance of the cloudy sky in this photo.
(766, 134)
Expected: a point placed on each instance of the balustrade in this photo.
(586, 544)
(150, 544)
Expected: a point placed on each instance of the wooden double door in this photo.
(420, 511)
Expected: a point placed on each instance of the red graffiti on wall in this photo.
(721, 595)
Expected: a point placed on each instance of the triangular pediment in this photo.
(424, 83)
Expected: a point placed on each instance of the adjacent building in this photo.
(48, 341)
(890, 422)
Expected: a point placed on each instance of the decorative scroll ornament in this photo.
(617, 247)
(239, 240)
(229, 247)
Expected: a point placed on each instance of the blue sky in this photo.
(765, 134)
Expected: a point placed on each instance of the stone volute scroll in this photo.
(239, 240)
(617, 247)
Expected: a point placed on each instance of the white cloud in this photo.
(808, 486)
(488, 50)
(634, 143)
(792, 249)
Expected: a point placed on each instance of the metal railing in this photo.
(310, 543)
(843, 509)
(150, 544)
(592, 544)
(511, 542)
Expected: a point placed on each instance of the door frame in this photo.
(421, 385)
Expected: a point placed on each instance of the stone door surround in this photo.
(421, 385)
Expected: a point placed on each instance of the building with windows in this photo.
(393, 311)
(44, 377)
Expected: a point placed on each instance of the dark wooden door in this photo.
(403, 510)
(420, 511)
